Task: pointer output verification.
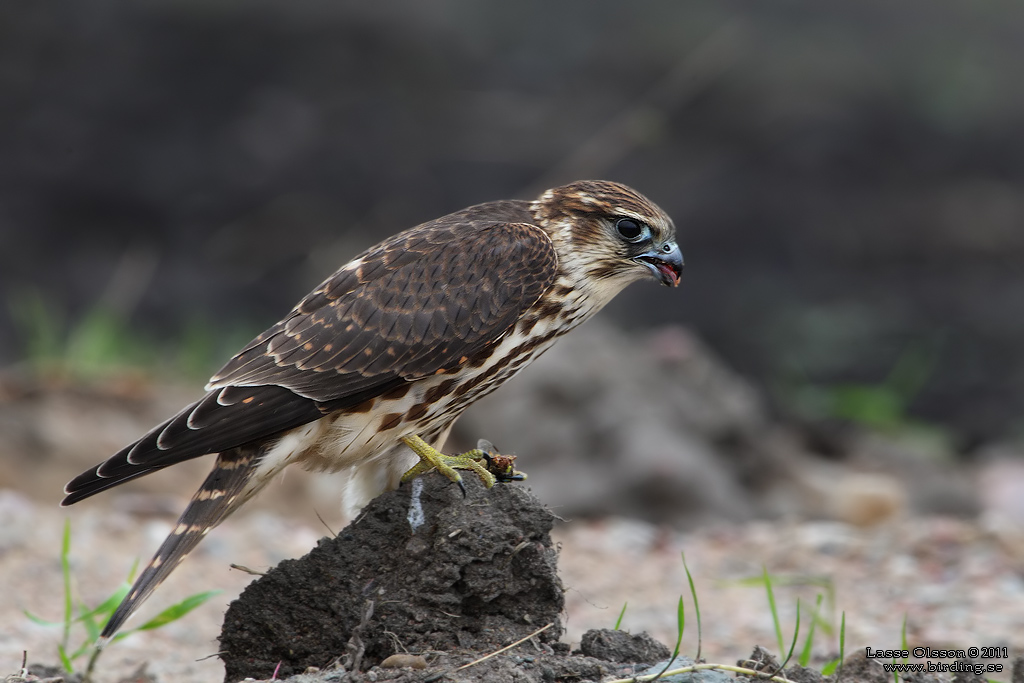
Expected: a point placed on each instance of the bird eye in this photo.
(631, 230)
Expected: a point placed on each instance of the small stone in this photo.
(760, 660)
(619, 646)
(401, 661)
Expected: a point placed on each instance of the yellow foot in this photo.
(498, 467)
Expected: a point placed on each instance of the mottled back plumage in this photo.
(395, 344)
(419, 303)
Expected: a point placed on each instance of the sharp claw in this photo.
(497, 468)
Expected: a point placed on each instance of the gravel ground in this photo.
(958, 583)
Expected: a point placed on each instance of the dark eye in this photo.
(630, 230)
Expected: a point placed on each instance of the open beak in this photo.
(665, 261)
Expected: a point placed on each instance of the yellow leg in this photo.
(499, 467)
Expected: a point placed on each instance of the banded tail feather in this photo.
(218, 497)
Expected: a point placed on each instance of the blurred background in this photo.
(846, 179)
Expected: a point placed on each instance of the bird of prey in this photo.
(367, 374)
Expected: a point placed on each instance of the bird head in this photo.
(614, 233)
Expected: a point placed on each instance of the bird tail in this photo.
(222, 492)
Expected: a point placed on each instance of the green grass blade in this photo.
(92, 628)
(831, 667)
(842, 644)
(766, 577)
(65, 661)
(796, 635)
(696, 606)
(65, 568)
(680, 626)
(618, 622)
(39, 620)
(176, 611)
(805, 654)
(131, 573)
(903, 637)
(107, 606)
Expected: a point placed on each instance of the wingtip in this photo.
(75, 490)
(70, 498)
(90, 483)
(78, 484)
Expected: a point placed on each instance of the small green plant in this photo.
(618, 622)
(93, 619)
(818, 621)
(680, 628)
(830, 668)
(97, 341)
(805, 653)
(882, 406)
(903, 637)
(767, 580)
(101, 340)
(681, 621)
(766, 577)
(696, 606)
(903, 646)
(796, 637)
(824, 583)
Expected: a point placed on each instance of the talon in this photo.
(431, 458)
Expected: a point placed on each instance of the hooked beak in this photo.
(665, 261)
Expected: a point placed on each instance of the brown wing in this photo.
(425, 300)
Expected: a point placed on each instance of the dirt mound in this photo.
(427, 572)
(421, 570)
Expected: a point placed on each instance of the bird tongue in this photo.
(668, 273)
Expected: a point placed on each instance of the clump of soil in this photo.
(421, 570)
(619, 646)
(427, 572)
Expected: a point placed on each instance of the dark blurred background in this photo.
(847, 178)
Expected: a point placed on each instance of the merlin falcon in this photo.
(368, 373)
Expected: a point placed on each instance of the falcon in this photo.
(368, 373)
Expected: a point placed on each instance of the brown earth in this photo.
(420, 570)
(957, 583)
